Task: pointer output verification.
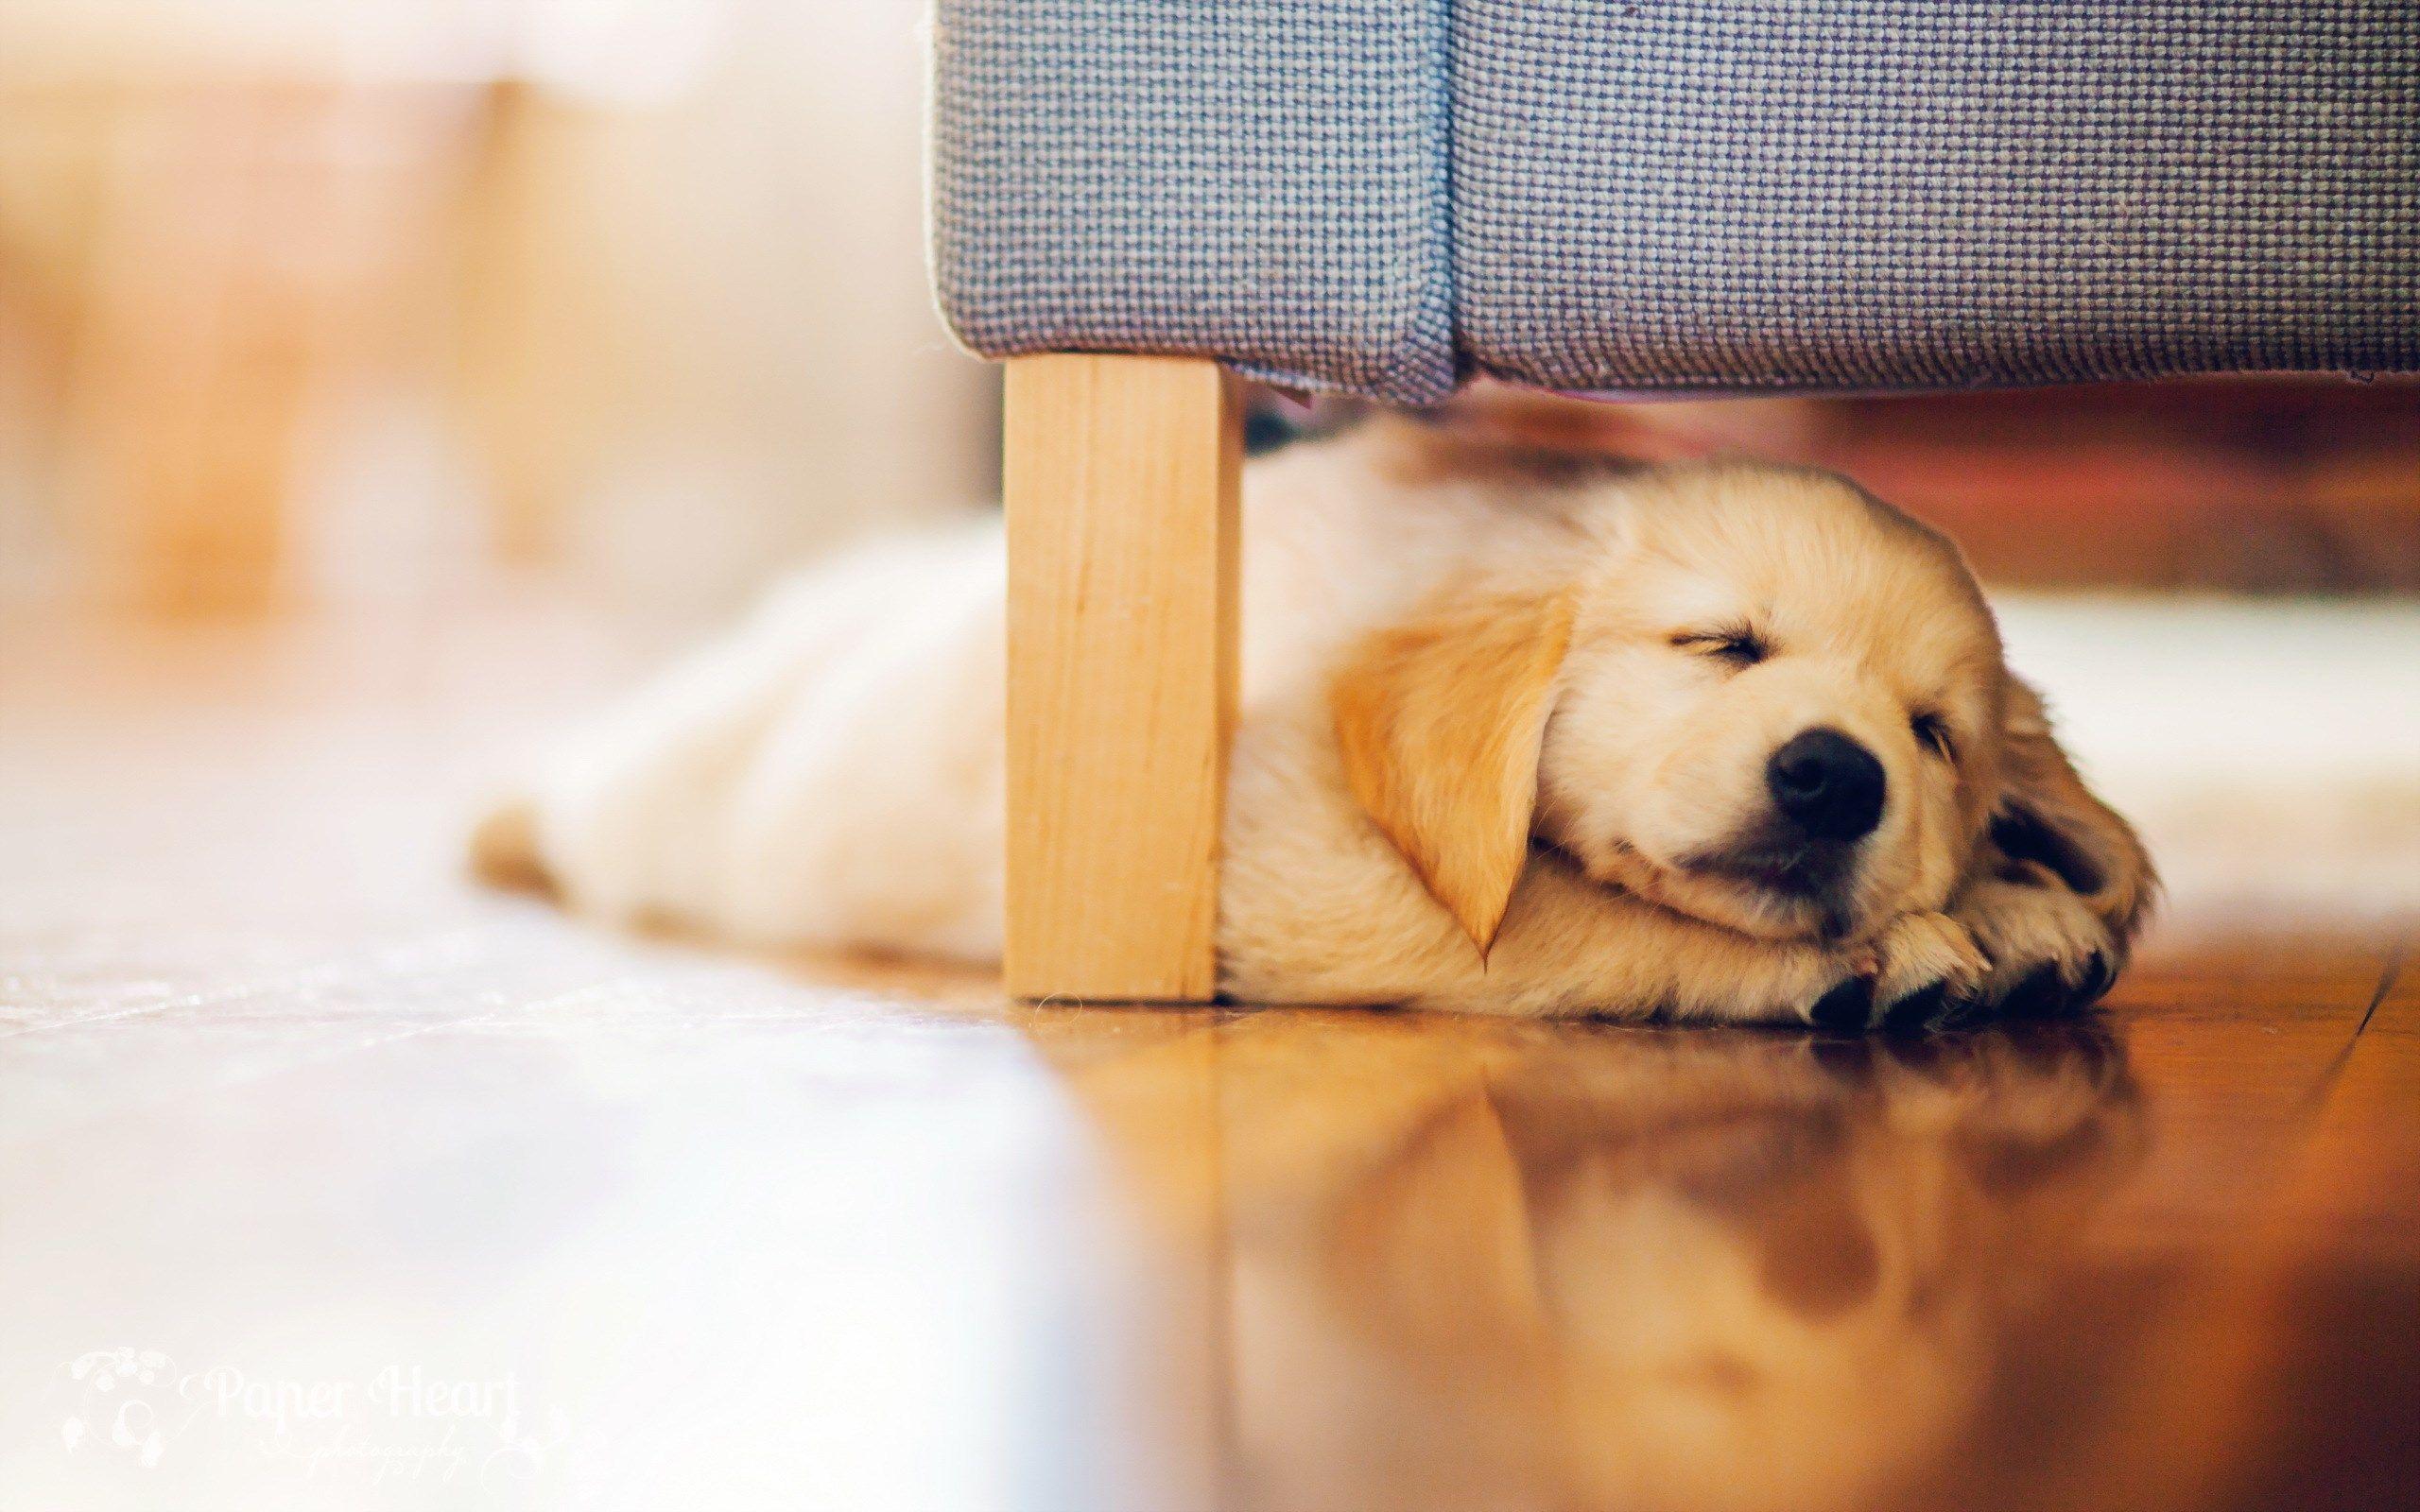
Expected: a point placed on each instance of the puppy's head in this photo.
(1755, 695)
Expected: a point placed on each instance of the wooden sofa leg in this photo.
(1120, 480)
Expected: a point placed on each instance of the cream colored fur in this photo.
(1473, 770)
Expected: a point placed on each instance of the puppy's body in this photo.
(1478, 764)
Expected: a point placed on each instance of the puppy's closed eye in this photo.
(1932, 732)
(1737, 645)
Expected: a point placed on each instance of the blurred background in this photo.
(371, 308)
(304, 303)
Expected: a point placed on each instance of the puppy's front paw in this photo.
(2050, 952)
(1922, 970)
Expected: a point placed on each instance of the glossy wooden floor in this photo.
(327, 1181)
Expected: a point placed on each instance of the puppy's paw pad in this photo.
(2045, 992)
(1848, 1007)
(1938, 1006)
(2051, 954)
(2038, 994)
(1932, 972)
(2099, 976)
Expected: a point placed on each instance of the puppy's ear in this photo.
(1440, 721)
(2045, 815)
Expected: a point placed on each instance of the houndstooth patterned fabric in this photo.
(1262, 181)
(1659, 194)
(1896, 193)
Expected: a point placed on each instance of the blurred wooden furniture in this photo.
(219, 261)
(2257, 485)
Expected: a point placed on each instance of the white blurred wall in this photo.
(780, 355)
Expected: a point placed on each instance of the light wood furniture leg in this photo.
(1120, 479)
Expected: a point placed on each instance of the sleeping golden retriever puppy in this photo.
(1518, 734)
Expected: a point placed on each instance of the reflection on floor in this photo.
(331, 1183)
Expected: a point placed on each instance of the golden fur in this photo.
(1440, 723)
(1501, 749)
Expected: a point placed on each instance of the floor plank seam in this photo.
(2386, 983)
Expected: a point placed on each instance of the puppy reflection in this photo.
(1648, 1270)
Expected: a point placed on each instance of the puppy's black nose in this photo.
(1828, 784)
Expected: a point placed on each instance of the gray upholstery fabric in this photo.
(1888, 193)
(1256, 180)
(1634, 195)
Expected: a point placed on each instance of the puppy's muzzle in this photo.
(1829, 787)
